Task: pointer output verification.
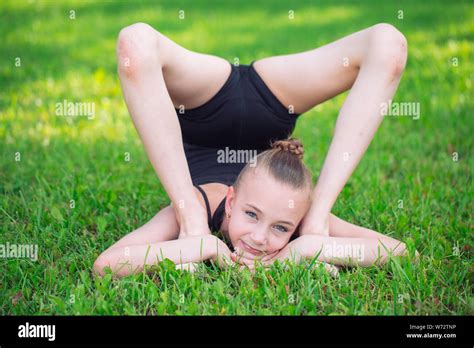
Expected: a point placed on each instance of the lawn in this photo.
(75, 185)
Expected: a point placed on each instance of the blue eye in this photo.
(250, 213)
(283, 229)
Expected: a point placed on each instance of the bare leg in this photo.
(370, 61)
(157, 74)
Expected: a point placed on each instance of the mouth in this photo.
(251, 250)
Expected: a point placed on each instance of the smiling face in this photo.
(264, 214)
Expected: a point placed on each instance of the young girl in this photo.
(192, 110)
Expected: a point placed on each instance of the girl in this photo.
(224, 108)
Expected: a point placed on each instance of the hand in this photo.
(239, 258)
(214, 249)
(221, 253)
(190, 267)
(310, 225)
(293, 251)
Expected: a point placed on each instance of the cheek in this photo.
(279, 242)
(237, 229)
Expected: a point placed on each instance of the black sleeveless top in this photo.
(221, 136)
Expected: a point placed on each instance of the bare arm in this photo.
(355, 251)
(131, 259)
(361, 251)
(340, 228)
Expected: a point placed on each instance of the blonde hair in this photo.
(284, 162)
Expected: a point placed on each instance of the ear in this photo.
(229, 202)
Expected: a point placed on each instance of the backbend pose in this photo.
(186, 106)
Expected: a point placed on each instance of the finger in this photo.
(227, 261)
(243, 267)
(331, 269)
(248, 262)
(268, 262)
(238, 251)
(241, 259)
(190, 267)
(238, 258)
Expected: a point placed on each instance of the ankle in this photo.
(190, 215)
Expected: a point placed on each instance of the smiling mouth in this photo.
(250, 249)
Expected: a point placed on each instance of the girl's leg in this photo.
(157, 75)
(371, 61)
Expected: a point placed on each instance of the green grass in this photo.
(65, 158)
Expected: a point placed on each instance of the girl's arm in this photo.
(130, 259)
(341, 228)
(360, 251)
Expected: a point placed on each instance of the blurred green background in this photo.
(81, 159)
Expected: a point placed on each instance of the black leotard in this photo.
(215, 221)
(243, 115)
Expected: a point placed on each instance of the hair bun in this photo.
(292, 145)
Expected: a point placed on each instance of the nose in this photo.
(259, 236)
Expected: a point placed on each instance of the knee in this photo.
(388, 46)
(137, 48)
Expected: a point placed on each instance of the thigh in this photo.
(191, 78)
(308, 78)
(162, 227)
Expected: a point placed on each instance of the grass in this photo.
(73, 193)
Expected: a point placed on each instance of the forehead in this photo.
(273, 198)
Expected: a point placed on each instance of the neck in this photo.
(225, 226)
(215, 192)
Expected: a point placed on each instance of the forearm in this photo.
(351, 251)
(132, 258)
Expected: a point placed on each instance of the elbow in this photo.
(100, 264)
(109, 260)
(401, 249)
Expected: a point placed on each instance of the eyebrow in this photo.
(258, 210)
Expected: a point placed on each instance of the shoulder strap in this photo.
(208, 208)
(218, 217)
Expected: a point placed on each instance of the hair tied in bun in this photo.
(291, 145)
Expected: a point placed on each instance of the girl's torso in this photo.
(229, 130)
